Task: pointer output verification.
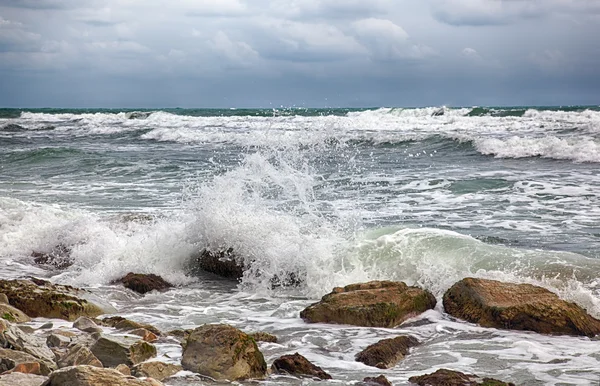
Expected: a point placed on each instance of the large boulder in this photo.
(387, 352)
(492, 303)
(14, 338)
(143, 283)
(21, 379)
(298, 366)
(445, 377)
(9, 359)
(155, 369)
(113, 351)
(372, 304)
(40, 298)
(94, 376)
(223, 352)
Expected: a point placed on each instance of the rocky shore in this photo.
(100, 348)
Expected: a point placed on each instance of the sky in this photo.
(302, 53)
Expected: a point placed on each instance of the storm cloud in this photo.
(202, 53)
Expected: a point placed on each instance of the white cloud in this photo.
(236, 52)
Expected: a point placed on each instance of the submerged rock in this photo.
(445, 377)
(155, 369)
(21, 379)
(376, 381)
(59, 257)
(223, 352)
(143, 283)
(113, 351)
(263, 337)
(41, 298)
(298, 366)
(387, 352)
(491, 303)
(94, 376)
(373, 304)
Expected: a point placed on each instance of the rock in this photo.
(13, 127)
(40, 298)
(123, 369)
(85, 324)
(223, 352)
(439, 112)
(13, 338)
(491, 303)
(445, 377)
(93, 376)
(3, 299)
(121, 323)
(298, 366)
(142, 284)
(28, 368)
(59, 257)
(387, 352)
(377, 381)
(21, 379)
(57, 340)
(373, 304)
(263, 337)
(12, 314)
(222, 263)
(180, 335)
(113, 351)
(9, 359)
(146, 335)
(77, 355)
(47, 326)
(157, 370)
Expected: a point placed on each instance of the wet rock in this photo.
(491, 303)
(47, 326)
(13, 127)
(21, 379)
(12, 314)
(113, 351)
(123, 369)
(94, 376)
(9, 359)
(387, 352)
(180, 335)
(445, 377)
(121, 323)
(223, 352)
(79, 354)
(439, 112)
(223, 263)
(146, 335)
(59, 257)
(373, 304)
(298, 366)
(40, 298)
(85, 324)
(12, 337)
(142, 283)
(263, 337)
(157, 370)
(376, 381)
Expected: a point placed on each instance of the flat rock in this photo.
(94, 376)
(40, 298)
(13, 338)
(492, 303)
(12, 314)
(113, 351)
(21, 379)
(387, 352)
(445, 377)
(79, 354)
(120, 323)
(143, 283)
(223, 352)
(373, 304)
(155, 369)
(9, 359)
(298, 366)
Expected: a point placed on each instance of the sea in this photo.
(426, 196)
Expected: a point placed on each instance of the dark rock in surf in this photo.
(263, 337)
(373, 304)
(223, 352)
(222, 263)
(491, 303)
(59, 257)
(298, 366)
(387, 352)
(445, 377)
(138, 114)
(375, 381)
(439, 112)
(143, 283)
(12, 127)
(41, 298)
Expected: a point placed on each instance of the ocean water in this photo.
(426, 196)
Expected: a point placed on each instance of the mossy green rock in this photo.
(223, 352)
(492, 303)
(372, 304)
(41, 298)
(12, 314)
